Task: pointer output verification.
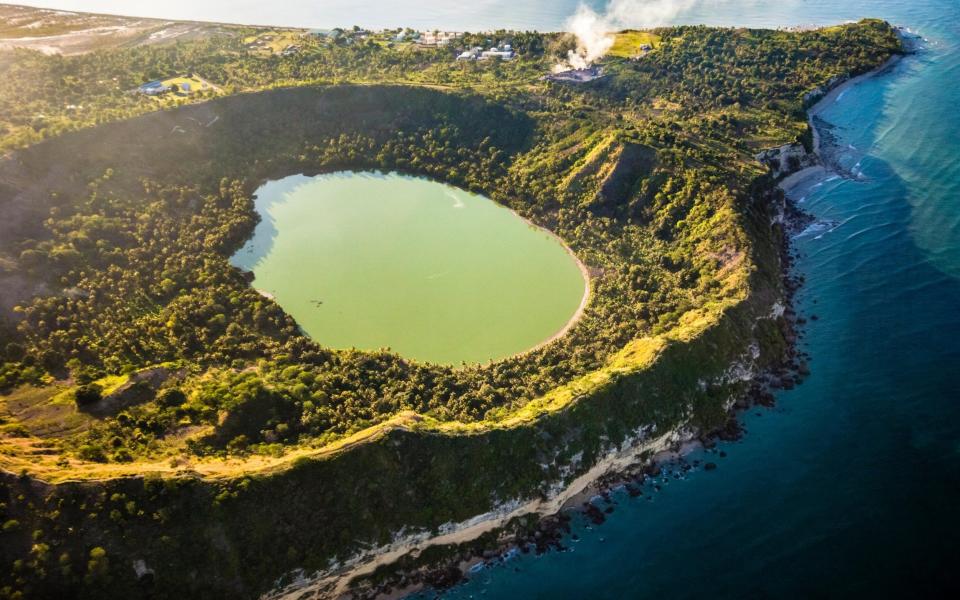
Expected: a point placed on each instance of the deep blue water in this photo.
(851, 486)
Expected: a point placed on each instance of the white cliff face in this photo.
(787, 159)
(816, 94)
(634, 450)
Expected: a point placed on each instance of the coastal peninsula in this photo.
(168, 430)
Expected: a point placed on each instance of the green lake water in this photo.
(372, 260)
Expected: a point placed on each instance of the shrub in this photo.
(88, 394)
(98, 565)
(91, 453)
(171, 397)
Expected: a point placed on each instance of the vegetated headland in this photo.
(169, 431)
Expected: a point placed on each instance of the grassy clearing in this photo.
(21, 22)
(273, 41)
(189, 85)
(630, 43)
(42, 412)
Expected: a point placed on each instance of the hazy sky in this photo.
(475, 14)
(472, 15)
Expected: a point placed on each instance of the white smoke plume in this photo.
(594, 31)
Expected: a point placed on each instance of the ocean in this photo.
(850, 487)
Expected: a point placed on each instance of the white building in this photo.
(504, 52)
(472, 54)
(153, 88)
(437, 38)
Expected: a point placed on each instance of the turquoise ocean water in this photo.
(850, 487)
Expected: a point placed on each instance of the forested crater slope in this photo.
(147, 387)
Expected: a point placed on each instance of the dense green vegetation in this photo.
(125, 335)
(695, 66)
(703, 68)
(646, 200)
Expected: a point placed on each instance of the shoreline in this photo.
(331, 585)
(794, 180)
(630, 464)
(584, 299)
(157, 19)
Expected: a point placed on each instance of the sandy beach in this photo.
(584, 300)
(818, 171)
